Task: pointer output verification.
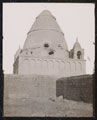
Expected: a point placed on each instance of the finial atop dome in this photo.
(76, 39)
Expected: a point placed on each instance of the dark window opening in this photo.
(46, 45)
(78, 54)
(51, 52)
(31, 52)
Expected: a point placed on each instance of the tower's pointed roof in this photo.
(45, 29)
(77, 44)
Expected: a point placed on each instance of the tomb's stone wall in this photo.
(43, 66)
(45, 51)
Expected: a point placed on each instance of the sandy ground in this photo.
(47, 108)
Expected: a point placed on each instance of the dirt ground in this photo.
(47, 108)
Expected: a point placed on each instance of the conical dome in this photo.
(45, 30)
(45, 21)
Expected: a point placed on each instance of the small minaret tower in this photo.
(77, 52)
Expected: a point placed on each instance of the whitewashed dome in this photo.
(46, 30)
(45, 21)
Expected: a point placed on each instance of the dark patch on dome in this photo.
(51, 52)
(31, 52)
(46, 45)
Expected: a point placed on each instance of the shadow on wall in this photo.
(78, 88)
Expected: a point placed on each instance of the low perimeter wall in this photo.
(25, 86)
(79, 88)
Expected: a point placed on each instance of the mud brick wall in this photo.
(79, 88)
(29, 86)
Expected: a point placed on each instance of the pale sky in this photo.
(75, 20)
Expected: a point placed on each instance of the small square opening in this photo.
(46, 45)
(51, 52)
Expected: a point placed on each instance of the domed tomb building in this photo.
(45, 51)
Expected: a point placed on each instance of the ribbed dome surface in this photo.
(45, 29)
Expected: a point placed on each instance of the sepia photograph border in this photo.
(1, 62)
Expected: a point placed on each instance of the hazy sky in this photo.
(76, 20)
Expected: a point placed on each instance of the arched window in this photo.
(79, 54)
